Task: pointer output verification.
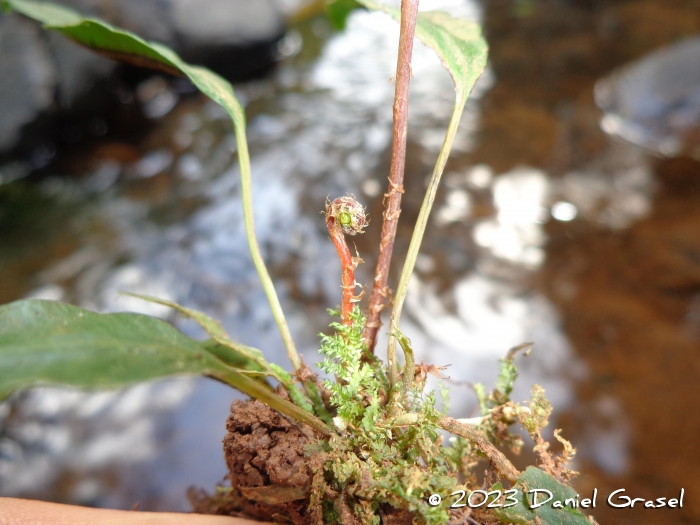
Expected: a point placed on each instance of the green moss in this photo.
(372, 462)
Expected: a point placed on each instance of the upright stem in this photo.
(247, 198)
(345, 216)
(416, 240)
(348, 271)
(409, 13)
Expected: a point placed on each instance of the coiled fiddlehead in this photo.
(344, 216)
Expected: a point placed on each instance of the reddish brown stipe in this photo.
(392, 209)
(345, 216)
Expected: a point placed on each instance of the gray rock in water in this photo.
(226, 22)
(655, 101)
(40, 70)
(185, 23)
(27, 76)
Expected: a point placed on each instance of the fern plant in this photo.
(376, 452)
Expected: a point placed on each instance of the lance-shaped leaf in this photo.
(56, 343)
(235, 354)
(122, 45)
(118, 44)
(48, 342)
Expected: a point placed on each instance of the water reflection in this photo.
(546, 231)
(515, 233)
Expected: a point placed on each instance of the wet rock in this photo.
(187, 24)
(224, 22)
(27, 77)
(655, 101)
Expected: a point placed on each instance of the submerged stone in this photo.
(654, 102)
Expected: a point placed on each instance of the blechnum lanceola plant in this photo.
(377, 434)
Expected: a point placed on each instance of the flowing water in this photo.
(546, 230)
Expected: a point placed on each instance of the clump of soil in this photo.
(263, 447)
(272, 477)
(269, 472)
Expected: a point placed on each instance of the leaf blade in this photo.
(55, 343)
(48, 342)
(457, 42)
(123, 45)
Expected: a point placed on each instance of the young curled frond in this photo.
(345, 215)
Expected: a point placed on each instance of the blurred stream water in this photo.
(545, 230)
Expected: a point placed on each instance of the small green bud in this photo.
(347, 214)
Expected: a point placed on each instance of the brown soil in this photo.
(270, 474)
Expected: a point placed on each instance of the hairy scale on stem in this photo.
(345, 215)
